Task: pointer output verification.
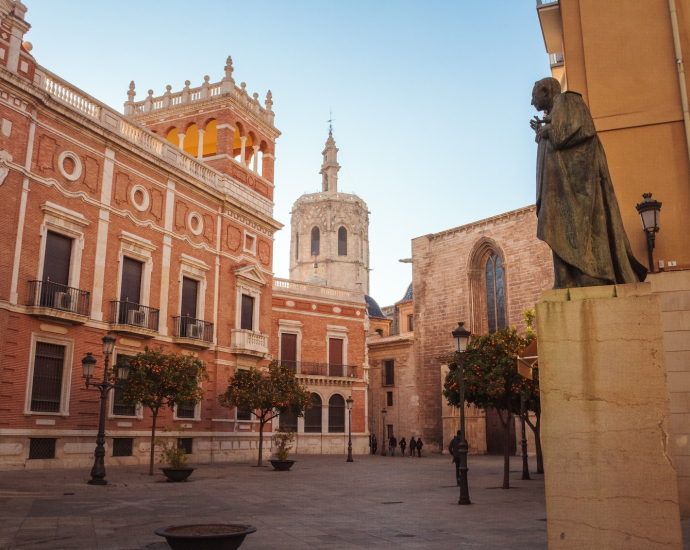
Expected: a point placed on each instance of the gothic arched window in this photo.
(315, 241)
(342, 242)
(495, 294)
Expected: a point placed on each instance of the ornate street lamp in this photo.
(461, 337)
(349, 402)
(88, 365)
(649, 210)
(383, 430)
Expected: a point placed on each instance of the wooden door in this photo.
(494, 434)
(335, 357)
(288, 351)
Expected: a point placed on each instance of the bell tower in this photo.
(331, 229)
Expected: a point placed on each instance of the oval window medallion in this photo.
(140, 198)
(69, 165)
(195, 223)
(336, 310)
(357, 312)
(290, 303)
(313, 306)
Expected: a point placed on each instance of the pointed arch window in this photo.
(315, 241)
(342, 242)
(495, 294)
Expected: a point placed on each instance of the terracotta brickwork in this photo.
(72, 167)
(450, 286)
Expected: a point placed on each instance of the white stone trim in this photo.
(255, 292)
(251, 237)
(197, 414)
(66, 374)
(74, 176)
(144, 206)
(199, 225)
(340, 333)
(70, 224)
(140, 249)
(195, 269)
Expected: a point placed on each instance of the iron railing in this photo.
(189, 327)
(135, 315)
(320, 369)
(60, 297)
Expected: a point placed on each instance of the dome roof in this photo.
(408, 295)
(373, 309)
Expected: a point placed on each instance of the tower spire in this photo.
(330, 166)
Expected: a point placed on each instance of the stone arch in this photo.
(313, 419)
(172, 135)
(336, 413)
(191, 139)
(482, 250)
(315, 240)
(342, 241)
(210, 137)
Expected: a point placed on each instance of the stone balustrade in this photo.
(297, 287)
(247, 342)
(111, 120)
(206, 91)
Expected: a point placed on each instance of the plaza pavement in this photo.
(375, 502)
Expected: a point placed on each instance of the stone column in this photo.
(181, 138)
(243, 139)
(609, 456)
(102, 237)
(256, 158)
(200, 150)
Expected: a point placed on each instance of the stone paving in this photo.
(375, 502)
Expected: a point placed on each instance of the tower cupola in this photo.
(330, 166)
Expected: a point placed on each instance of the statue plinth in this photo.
(609, 455)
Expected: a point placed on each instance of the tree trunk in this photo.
(262, 422)
(506, 448)
(153, 439)
(536, 429)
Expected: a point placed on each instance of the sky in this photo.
(430, 100)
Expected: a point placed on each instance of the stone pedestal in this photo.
(608, 452)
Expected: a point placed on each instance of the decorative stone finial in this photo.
(228, 83)
(151, 94)
(168, 87)
(256, 97)
(243, 85)
(28, 46)
(131, 93)
(187, 83)
(206, 79)
(269, 102)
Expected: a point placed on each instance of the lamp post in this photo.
(349, 402)
(460, 337)
(523, 442)
(88, 364)
(383, 432)
(649, 210)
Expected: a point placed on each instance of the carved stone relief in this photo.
(234, 238)
(92, 173)
(47, 147)
(209, 228)
(264, 253)
(157, 203)
(180, 214)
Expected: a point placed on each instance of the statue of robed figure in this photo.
(577, 210)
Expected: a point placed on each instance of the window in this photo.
(390, 431)
(185, 410)
(342, 242)
(118, 407)
(288, 351)
(243, 415)
(130, 290)
(188, 308)
(247, 313)
(249, 243)
(41, 448)
(336, 414)
(122, 446)
(185, 443)
(315, 241)
(410, 323)
(296, 246)
(56, 270)
(46, 389)
(312, 417)
(388, 373)
(335, 357)
(288, 420)
(495, 294)
(389, 399)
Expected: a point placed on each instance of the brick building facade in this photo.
(157, 226)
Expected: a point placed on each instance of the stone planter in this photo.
(177, 474)
(282, 465)
(213, 536)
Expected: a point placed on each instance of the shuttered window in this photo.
(312, 417)
(288, 350)
(57, 258)
(46, 389)
(247, 322)
(342, 242)
(389, 373)
(336, 414)
(190, 291)
(130, 289)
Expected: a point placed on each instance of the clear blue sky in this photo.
(431, 100)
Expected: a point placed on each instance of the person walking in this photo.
(403, 444)
(413, 446)
(420, 444)
(453, 448)
(392, 444)
(374, 444)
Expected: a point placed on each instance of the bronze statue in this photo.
(577, 210)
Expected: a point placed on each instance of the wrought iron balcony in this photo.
(193, 331)
(56, 300)
(131, 317)
(320, 369)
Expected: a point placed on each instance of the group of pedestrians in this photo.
(415, 445)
